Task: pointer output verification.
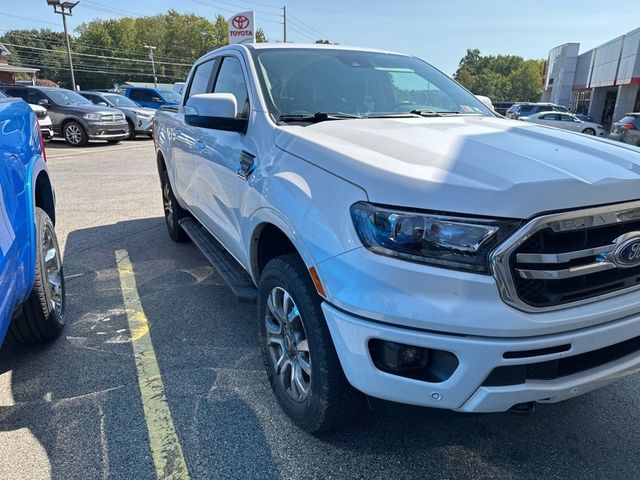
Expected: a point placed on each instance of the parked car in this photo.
(566, 121)
(401, 241)
(31, 276)
(525, 109)
(627, 129)
(138, 118)
(584, 118)
(502, 107)
(44, 121)
(152, 97)
(74, 117)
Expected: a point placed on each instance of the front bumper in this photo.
(107, 131)
(466, 389)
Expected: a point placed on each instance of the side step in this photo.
(231, 272)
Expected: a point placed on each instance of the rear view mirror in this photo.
(216, 111)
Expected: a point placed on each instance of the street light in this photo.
(64, 9)
(153, 65)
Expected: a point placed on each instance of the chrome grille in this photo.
(567, 258)
(112, 118)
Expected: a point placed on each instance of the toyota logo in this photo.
(240, 22)
(626, 254)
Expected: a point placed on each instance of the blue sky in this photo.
(437, 31)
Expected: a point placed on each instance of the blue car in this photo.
(31, 277)
(152, 97)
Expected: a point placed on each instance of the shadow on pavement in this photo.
(79, 395)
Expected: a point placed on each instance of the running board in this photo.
(231, 272)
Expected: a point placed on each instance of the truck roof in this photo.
(318, 46)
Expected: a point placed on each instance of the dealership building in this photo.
(602, 83)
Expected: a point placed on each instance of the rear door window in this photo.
(141, 94)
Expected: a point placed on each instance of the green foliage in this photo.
(501, 77)
(113, 51)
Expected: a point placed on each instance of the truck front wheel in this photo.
(300, 359)
(42, 317)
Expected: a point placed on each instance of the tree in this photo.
(501, 77)
(111, 51)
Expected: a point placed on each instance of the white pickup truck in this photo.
(402, 242)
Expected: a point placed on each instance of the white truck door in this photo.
(217, 160)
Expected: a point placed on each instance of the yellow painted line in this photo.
(163, 440)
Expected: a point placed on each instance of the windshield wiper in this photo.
(431, 113)
(316, 117)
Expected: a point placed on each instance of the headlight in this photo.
(91, 116)
(145, 115)
(443, 240)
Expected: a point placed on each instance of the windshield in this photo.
(308, 81)
(170, 96)
(67, 97)
(120, 100)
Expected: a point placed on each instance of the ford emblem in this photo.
(627, 251)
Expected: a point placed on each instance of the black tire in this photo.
(75, 134)
(173, 212)
(132, 130)
(40, 321)
(589, 131)
(114, 141)
(331, 401)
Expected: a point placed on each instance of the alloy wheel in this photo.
(167, 202)
(52, 271)
(73, 134)
(288, 344)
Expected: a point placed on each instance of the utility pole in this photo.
(64, 9)
(284, 23)
(153, 65)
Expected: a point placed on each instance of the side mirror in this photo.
(43, 102)
(216, 111)
(102, 104)
(156, 99)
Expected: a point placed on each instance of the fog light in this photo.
(411, 361)
(398, 357)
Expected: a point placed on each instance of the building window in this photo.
(583, 99)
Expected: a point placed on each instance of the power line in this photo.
(27, 18)
(91, 46)
(297, 19)
(100, 56)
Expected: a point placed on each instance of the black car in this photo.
(74, 117)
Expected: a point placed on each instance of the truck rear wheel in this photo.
(42, 317)
(173, 212)
(300, 359)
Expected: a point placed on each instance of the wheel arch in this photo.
(43, 195)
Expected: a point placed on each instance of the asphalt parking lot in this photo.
(73, 409)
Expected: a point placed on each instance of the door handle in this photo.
(247, 165)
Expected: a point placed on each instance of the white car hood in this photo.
(473, 165)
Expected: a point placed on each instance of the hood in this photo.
(473, 165)
(82, 109)
(138, 110)
(37, 108)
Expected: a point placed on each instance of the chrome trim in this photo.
(566, 272)
(563, 257)
(572, 220)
